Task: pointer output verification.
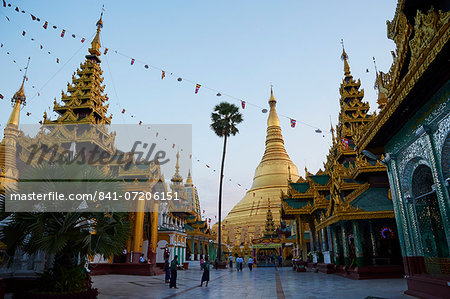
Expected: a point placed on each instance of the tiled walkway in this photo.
(261, 283)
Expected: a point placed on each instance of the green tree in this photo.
(225, 119)
(71, 237)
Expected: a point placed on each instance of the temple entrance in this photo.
(267, 257)
(434, 241)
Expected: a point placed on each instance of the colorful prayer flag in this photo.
(63, 33)
(243, 104)
(4, 3)
(1, 96)
(41, 47)
(23, 33)
(33, 17)
(163, 75)
(106, 51)
(197, 87)
(140, 123)
(123, 111)
(57, 60)
(28, 113)
(17, 9)
(83, 39)
(132, 61)
(293, 122)
(45, 25)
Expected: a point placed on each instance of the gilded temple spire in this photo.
(95, 44)
(177, 177)
(84, 101)
(189, 179)
(18, 99)
(344, 57)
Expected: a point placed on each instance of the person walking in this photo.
(167, 268)
(202, 261)
(205, 276)
(231, 261)
(250, 264)
(173, 272)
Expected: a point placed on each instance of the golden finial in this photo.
(95, 44)
(273, 119)
(189, 178)
(18, 99)
(344, 57)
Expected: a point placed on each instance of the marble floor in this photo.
(261, 283)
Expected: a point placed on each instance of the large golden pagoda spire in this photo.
(271, 176)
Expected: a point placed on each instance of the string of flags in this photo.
(163, 72)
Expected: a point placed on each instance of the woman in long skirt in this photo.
(205, 276)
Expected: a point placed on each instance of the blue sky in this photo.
(237, 47)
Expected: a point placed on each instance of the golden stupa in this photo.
(247, 218)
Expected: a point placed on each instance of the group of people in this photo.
(171, 271)
(240, 262)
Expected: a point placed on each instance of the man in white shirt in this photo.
(250, 263)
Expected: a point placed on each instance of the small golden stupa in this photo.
(248, 217)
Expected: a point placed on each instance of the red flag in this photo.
(163, 75)
(4, 3)
(39, 94)
(207, 165)
(106, 51)
(83, 39)
(140, 123)
(41, 47)
(33, 17)
(63, 33)
(1, 96)
(45, 25)
(107, 98)
(243, 104)
(28, 113)
(132, 61)
(190, 156)
(173, 145)
(1, 45)
(345, 142)
(293, 122)
(23, 33)
(157, 134)
(17, 9)
(123, 111)
(57, 60)
(197, 87)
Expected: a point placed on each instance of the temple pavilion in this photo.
(347, 207)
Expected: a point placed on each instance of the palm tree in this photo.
(70, 237)
(224, 120)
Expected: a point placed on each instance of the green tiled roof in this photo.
(296, 204)
(374, 199)
(300, 187)
(320, 179)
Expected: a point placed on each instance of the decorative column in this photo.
(358, 244)
(312, 235)
(347, 261)
(373, 240)
(334, 236)
(153, 244)
(192, 248)
(138, 239)
(439, 185)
